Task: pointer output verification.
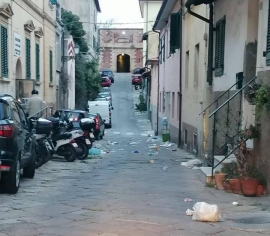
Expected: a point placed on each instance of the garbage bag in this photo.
(94, 151)
(192, 163)
(206, 212)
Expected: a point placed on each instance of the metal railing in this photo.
(226, 115)
(42, 114)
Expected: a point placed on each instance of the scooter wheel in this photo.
(82, 152)
(70, 153)
(40, 157)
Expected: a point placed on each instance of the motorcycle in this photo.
(61, 144)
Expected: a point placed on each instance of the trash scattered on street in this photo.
(191, 163)
(189, 212)
(97, 146)
(154, 147)
(235, 203)
(196, 168)
(121, 149)
(174, 150)
(188, 200)
(136, 151)
(165, 168)
(206, 212)
(110, 143)
(150, 140)
(152, 161)
(94, 151)
(133, 143)
(167, 144)
(116, 132)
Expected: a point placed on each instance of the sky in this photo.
(121, 11)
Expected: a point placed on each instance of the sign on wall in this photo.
(17, 44)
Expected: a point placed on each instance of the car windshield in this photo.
(106, 72)
(104, 79)
(76, 116)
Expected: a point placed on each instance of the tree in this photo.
(92, 78)
(75, 27)
(80, 83)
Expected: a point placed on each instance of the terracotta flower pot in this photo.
(227, 187)
(259, 190)
(264, 191)
(249, 187)
(219, 178)
(236, 186)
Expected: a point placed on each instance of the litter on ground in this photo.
(188, 200)
(206, 212)
(189, 212)
(167, 144)
(136, 151)
(191, 163)
(152, 161)
(235, 203)
(165, 168)
(133, 143)
(94, 151)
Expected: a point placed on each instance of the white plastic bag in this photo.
(206, 212)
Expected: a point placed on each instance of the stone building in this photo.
(28, 48)
(121, 50)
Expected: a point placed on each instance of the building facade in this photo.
(87, 10)
(28, 48)
(121, 50)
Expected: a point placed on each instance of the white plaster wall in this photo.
(170, 72)
(235, 39)
(262, 34)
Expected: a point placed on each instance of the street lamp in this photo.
(68, 58)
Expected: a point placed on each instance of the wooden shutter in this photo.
(174, 32)
(37, 62)
(4, 51)
(220, 47)
(51, 66)
(268, 39)
(28, 59)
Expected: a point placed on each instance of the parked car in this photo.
(136, 71)
(105, 90)
(105, 82)
(109, 73)
(76, 115)
(106, 95)
(99, 130)
(136, 79)
(17, 144)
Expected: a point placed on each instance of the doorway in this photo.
(123, 63)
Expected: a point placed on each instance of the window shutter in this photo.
(54, 2)
(4, 51)
(51, 66)
(174, 32)
(220, 47)
(268, 39)
(37, 63)
(28, 59)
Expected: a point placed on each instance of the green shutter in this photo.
(54, 2)
(160, 51)
(163, 47)
(268, 39)
(51, 66)
(4, 51)
(220, 47)
(37, 63)
(28, 58)
(175, 32)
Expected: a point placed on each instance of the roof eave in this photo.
(97, 5)
(189, 3)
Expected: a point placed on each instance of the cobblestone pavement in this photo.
(122, 194)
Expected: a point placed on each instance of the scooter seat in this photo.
(62, 136)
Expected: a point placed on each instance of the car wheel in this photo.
(29, 171)
(13, 182)
(97, 137)
(101, 136)
(109, 125)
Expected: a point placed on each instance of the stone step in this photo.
(207, 171)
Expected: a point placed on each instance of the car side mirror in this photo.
(104, 121)
(112, 108)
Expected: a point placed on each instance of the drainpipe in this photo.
(180, 75)
(44, 67)
(158, 83)
(211, 39)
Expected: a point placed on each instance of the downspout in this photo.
(180, 75)
(211, 39)
(44, 69)
(158, 83)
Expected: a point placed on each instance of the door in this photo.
(26, 135)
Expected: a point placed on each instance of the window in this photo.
(195, 142)
(187, 70)
(185, 137)
(220, 47)
(173, 103)
(94, 42)
(4, 51)
(37, 62)
(196, 65)
(51, 66)
(22, 114)
(175, 32)
(28, 58)
(268, 39)
(15, 112)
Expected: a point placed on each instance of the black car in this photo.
(17, 144)
(109, 73)
(76, 116)
(99, 130)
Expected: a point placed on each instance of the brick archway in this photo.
(123, 63)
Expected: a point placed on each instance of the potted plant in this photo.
(250, 92)
(262, 99)
(219, 178)
(232, 182)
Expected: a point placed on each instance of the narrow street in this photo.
(121, 193)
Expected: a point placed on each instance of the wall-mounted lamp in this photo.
(123, 54)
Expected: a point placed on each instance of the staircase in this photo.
(225, 116)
